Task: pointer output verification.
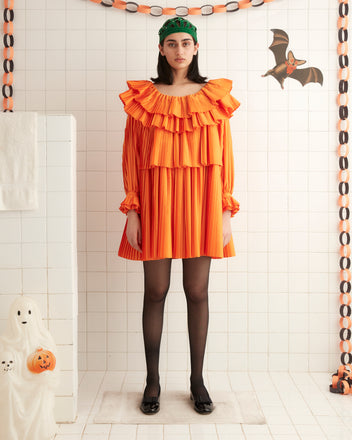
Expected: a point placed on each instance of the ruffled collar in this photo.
(222, 82)
(212, 103)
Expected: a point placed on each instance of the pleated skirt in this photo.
(181, 214)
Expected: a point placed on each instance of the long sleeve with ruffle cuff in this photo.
(131, 202)
(230, 204)
(130, 162)
(228, 170)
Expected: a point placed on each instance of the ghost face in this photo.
(24, 315)
(7, 362)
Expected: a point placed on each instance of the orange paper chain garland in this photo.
(342, 380)
(7, 79)
(181, 11)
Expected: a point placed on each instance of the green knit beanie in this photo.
(177, 24)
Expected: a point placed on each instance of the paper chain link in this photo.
(181, 11)
(7, 79)
(342, 380)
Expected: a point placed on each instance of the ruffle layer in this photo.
(131, 202)
(230, 204)
(181, 215)
(178, 114)
(163, 148)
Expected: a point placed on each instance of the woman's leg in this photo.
(156, 286)
(195, 283)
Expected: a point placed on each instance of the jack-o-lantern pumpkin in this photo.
(41, 360)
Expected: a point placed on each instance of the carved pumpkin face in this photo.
(41, 360)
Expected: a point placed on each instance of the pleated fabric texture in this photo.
(178, 170)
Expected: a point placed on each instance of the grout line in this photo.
(79, 385)
(106, 207)
(330, 401)
(288, 226)
(309, 206)
(283, 403)
(258, 400)
(267, 216)
(86, 203)
(307, 403)
(46, 220)
(227, 263)
(94, 400)
(126, 262)
(247, 182)
(26, 109)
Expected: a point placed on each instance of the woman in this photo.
(178, 177)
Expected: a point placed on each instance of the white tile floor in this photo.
(295, 405)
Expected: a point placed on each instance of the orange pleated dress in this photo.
(178, 170)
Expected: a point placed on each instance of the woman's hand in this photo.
(134, 230)
(226, 227)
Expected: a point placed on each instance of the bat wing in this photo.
(279, 45)
(305, 76)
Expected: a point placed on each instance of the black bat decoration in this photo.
(287, 67)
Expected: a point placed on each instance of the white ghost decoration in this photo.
(7, 362)
(12, 424)
(25, 330)
(33, 393)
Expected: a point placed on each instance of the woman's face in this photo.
(179, 49)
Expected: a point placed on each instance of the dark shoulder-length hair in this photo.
(165, 72)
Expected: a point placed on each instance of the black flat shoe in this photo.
(202, 406)
(150, 405)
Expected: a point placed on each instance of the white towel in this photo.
(18, 161)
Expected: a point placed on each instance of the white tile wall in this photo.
(275, 305)
(38, 252)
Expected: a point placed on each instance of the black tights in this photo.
(156, 286)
